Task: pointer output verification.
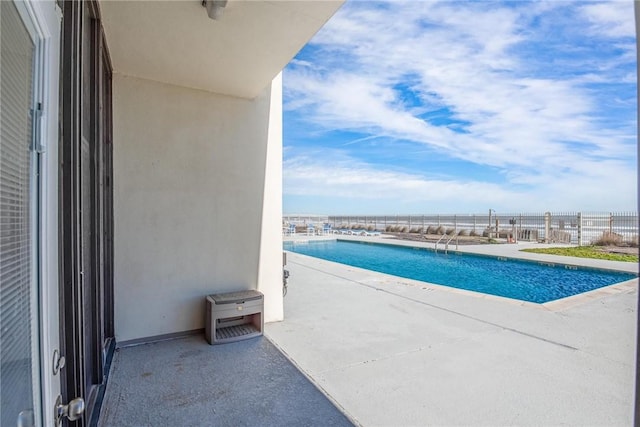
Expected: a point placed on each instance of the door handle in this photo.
(73, 410)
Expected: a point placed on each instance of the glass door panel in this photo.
(19, 361)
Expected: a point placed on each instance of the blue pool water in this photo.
(523, 280)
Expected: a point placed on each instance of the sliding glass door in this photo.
(19, 263)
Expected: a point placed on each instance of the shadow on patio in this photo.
(186, 381)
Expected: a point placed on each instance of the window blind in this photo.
(16, 282)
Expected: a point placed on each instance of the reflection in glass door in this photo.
(19, 360)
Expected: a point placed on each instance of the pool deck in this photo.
(397, 352)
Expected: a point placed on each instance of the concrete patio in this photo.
(187, 382)
(365, 348)
(397, 352)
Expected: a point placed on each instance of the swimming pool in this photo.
(522, 280)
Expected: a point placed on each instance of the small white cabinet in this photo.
(234, 316)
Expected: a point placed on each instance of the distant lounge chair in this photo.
(326, 229)
(363, 232)
(311, 230)
(289, 230)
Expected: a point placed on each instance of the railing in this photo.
(305, 220)
(439, 240)
(446, 245)
(580, 228)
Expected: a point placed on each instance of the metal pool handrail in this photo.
(446, 245)
(436, 246)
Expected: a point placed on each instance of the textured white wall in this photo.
(270, 268)
(189, 179)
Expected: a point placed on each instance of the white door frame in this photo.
(43, 21)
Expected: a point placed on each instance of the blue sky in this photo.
(457, 107)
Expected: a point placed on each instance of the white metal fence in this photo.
(580, 228)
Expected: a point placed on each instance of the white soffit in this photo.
(238, 55)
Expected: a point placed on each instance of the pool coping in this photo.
(554, 306)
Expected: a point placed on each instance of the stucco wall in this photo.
(189, 179)
(270, 268)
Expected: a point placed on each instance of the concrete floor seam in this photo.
(440, 308)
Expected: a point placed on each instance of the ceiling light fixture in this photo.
(214, 8)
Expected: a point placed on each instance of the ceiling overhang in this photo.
(238, 54)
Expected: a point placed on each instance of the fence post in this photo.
(579, 228)
(547, 226)
(455, 223)
(474, 222)
(519, 228)
(610, 224)
(438, 220)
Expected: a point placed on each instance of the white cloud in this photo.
(538, 127)
(351, 184)
(319, 185)
(346, 178)
(610, 19)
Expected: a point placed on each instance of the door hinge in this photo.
(36, 129)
